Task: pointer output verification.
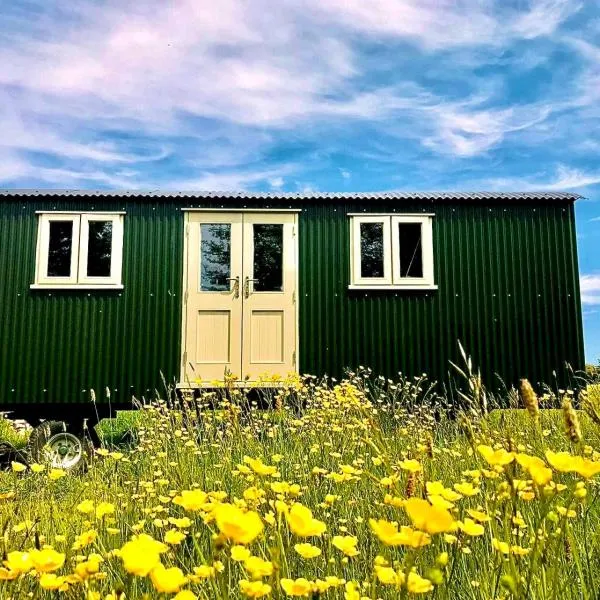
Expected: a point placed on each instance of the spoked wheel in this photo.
(53, 444)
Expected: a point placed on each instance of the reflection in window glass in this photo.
(371, 250)
(411, 254)
(268, 257)
(60, 247)
(215, 257)
(99, 248)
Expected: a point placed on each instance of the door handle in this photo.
(247, 286)
(236, 286)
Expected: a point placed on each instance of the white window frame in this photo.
(391, 279)
(357, 279)
(79, 251)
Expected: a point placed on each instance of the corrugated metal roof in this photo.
(199, 195)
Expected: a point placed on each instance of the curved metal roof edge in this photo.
(390, 195)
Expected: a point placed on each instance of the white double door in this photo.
(240, 295)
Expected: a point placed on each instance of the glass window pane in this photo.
(215, 257)
(99, 248)
(411, 253)
(268, 257)
(60, 246)
(371, 250)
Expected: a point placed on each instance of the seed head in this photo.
(530, 399)
(572, 426)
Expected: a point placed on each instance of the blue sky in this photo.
(308, 95)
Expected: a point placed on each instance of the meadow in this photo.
(361, 489)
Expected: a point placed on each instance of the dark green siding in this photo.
(508, 289)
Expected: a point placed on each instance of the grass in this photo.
(200, 497)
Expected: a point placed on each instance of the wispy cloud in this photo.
(590, 289)
(92, 86)
(564, 178)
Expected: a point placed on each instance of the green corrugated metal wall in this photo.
(507, 277)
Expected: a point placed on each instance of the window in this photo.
(391, 251)
(79, 250)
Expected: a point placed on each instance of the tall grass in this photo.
(355, 453)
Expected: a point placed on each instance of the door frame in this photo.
(182, 383)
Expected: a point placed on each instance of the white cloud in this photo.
(590, 289)
(565, 178)
(154, 74)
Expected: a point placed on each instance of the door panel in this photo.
(240, 312)
(269, 325)
(213, 342)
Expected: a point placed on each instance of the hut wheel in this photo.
(55, 444)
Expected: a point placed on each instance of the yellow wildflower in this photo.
(168, 580)
(237, 525)
(302, 523)
(307, 550)
(429, 518)
(346, 543)
(296, 587)
(254, 589)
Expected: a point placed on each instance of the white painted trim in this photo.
(239, 384)
(75, 286)
(426, 249)
(355, 255)
(392, 279)
(370, 214)
(77, 279)
(184, 288)
(41, 264)
(245, 210)
(116, 251)
(80, 212)
(385, 288)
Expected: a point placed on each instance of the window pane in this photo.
(60, 246)
(371, 250)
(215, 257)
(411, 253)
(268, 257)
(99, 248)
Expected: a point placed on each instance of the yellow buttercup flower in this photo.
(466, 488)
(237, 525)
(258, 568)
(47, 560)
(37, 468)
(471, 528)
(167, 581)
(302, 523)
(388, 534)
(495, 457)
(240, 553)
(429, 518)
(417, 584)
(56, 474)
(389, 576)
(18, 467)
(185, 595)
(85, 507)
(103, 509)
(18, 562)
(191, 500)
(141, 555)
(296, 587)
(174, 537)
(254, 589)
(51, 581)
(412, 465)
(307, 550)
(346, 543)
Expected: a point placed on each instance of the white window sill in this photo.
(383, 288)
(75, 286)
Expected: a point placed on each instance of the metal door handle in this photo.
(247, 286)
(236, 286)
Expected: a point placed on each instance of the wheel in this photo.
(54, 444)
